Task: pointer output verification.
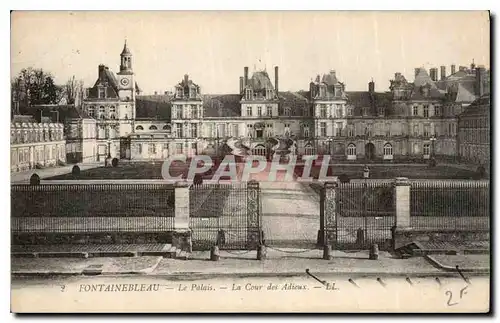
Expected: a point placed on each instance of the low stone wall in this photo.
(402, 237)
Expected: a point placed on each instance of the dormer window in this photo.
(179, 92)
(101, 93)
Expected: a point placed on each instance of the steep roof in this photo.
(260, 80)
(156, 107)
(65, 111)
(221, 105)
(479, 107)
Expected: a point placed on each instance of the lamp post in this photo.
(366, 175)
(432, 158)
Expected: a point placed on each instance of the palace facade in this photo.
(411, 121)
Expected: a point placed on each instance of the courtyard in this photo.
(152, 170)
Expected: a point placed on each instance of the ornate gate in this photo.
(228, 215)
(356, 215)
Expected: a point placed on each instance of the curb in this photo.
(200, 275)
(437, 263)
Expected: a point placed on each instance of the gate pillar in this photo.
(254, 223)
(327, 234)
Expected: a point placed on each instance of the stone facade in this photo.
(36, 145)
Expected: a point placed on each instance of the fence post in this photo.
(402, 206)
(328, 218)
(254, 230)
(181, 238)
(402, 197)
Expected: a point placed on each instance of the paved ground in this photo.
(464, 262)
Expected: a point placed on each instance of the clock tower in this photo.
(126, 91)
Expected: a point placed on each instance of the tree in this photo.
(73, 91)
(34, 86)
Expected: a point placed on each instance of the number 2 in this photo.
(449, 299)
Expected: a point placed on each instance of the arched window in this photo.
(351, 152)
(153, 128)
(139, 128)
(388, 151)
(259, 150)
(166, 127)
(112, 116)
(309, 150)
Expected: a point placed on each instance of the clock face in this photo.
(124, 82)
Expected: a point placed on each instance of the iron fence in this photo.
(219, 215)
(450, 204)
(364, 214)
(86, 208)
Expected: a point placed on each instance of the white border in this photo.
(196, 5)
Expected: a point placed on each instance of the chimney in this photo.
(276, 78)
(434, 74)
(371, 86)
(472, 65)
(100, 71)
(186, 78)
(416, 71)
(443, 72)
(245, 75)
(480, 75)
(453, 69)
(242, 80)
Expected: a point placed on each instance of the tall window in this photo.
(194, 130)
(387, 150)
(427, 149)
(236, 130)
(350, 131)
(415, 130)
(188, 130)
(174, 112)
(248, 94)
(178, 148)
(102, 93)
(139, 148)
(415, 110)
(287, 129)
(338, 129)
(388, 129)
(259, 111)
(349, 111)
(288, 111)
(322, 129)
(338, 111)
(426, 111)
(91, 111)
(269, 109)
(322, 111)
(427, 130)
(309, 150)
(102, 109)
(187, 109)
(249, 111)
(437, 110)
(194, 111)
(306, 131)
(178, 130)
(351, 150)
(152, 149)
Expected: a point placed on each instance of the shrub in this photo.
(343, 178)
(198, 179)
(114, 162)
(75, 171)
(35, 179)
(39, 166)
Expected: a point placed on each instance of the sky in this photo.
(214, 46)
